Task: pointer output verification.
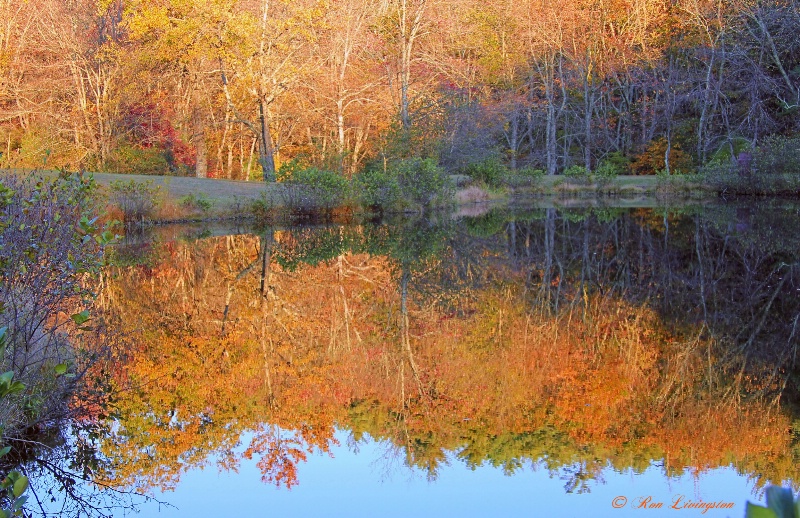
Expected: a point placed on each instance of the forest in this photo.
(239, 88)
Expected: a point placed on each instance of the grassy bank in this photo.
(183, 199)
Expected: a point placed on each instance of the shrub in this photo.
(777, 155)
(377, 188)
(613, 165)
(136, 200)
(287, 171)
(606, 172)
(576, 173)
(49, 241)
(422, 182)
(197, 202)
(491, 171)
(263, 208)
(309, 189)
(525, 177)
(772, 168)
(130, 159)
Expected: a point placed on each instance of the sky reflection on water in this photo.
(373, 481)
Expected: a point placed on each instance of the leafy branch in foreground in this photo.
(51, 244)
(780, 504)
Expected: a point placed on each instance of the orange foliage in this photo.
(324, 348)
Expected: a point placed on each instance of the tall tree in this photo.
(403, 23)
(258, 71)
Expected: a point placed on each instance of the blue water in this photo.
(372, 480)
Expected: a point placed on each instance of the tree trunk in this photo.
(410, 26)
(266, 150)
(550, 125)
(513, 139)
(588, 96)
(702, 144)
(199, 140)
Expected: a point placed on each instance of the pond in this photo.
(518, 362)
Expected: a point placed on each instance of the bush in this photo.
(776, 155)
(422, 182)
(309, 189)
(652, 159)
(525, 177)
(130, 159)
(576, 173)
(491, 171)
(606, 172)
(263, 208)
(772, 168)
(49, 241)
(137, 201)
(197, 202)
(377, 188)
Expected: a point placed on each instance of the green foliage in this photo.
(198, 201)
(608, 214)
(609, 169)
(777, 155)
(422, 183)
(417, 183)
(263, 207)
(662, 175)
(50, 239)
(311, 246)
(34, 147)
(780, 504)
(12, 492)
(739, 145)
(487, 225)
(14, 484)
(130, 159)
(422, 140)
(534, 175)
(309, 189)
(525, 177)
(377, 188)
(576, 173)
(772, 168)
(617, 161)
(287, 171)
(490, 171)
(8, 386)
(136, 200)
(413, 243)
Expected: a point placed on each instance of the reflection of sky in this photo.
(374, 482)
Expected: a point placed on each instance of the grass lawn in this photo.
(226, 198)
(224, 195)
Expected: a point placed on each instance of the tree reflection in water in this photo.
(577, 339)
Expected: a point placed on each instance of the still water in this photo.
(519, 362)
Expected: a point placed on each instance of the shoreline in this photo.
(188, 200)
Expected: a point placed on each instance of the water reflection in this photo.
(572, 340)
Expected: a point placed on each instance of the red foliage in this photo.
(149, 126)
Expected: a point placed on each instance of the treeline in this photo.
(234, 88)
